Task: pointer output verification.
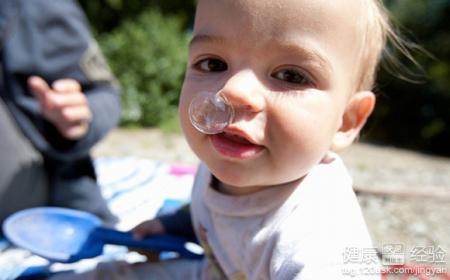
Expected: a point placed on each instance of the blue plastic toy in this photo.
(67, 235)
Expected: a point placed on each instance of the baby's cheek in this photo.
(304, 148)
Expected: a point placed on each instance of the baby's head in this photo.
(298, 74)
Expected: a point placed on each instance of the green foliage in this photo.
(106, 15)
(148, 56)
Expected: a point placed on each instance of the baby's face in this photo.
(289, 69)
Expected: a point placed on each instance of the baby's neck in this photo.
(247, 190)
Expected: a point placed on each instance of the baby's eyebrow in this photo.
(308, 54)
(206, 38)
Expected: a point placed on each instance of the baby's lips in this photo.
(240, 135)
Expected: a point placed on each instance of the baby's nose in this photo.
(244, 92)
(211, 113)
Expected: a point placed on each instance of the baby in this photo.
(271, 200)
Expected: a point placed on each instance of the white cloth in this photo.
(293, 232)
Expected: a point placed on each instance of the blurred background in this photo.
(146, 45)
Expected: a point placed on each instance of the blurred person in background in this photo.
(58, 99)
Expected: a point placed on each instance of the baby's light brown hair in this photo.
(379, 31)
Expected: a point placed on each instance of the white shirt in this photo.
(307, 231)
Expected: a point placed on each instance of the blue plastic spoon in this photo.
(67, 235)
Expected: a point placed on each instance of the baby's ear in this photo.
(359, 108)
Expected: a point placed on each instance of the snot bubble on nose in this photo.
(210, 113)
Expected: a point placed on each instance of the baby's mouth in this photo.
(235, 146)
(236, 138)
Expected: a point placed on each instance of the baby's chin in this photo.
(237, 185)
(233, 180)
(239, 190)
(234, 184)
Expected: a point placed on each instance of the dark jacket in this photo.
(51, 39)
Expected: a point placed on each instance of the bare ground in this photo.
(405, 196)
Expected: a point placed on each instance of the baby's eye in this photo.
(211, 65)
(292, 76)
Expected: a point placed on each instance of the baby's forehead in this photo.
(340, 22)
(272, 17)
